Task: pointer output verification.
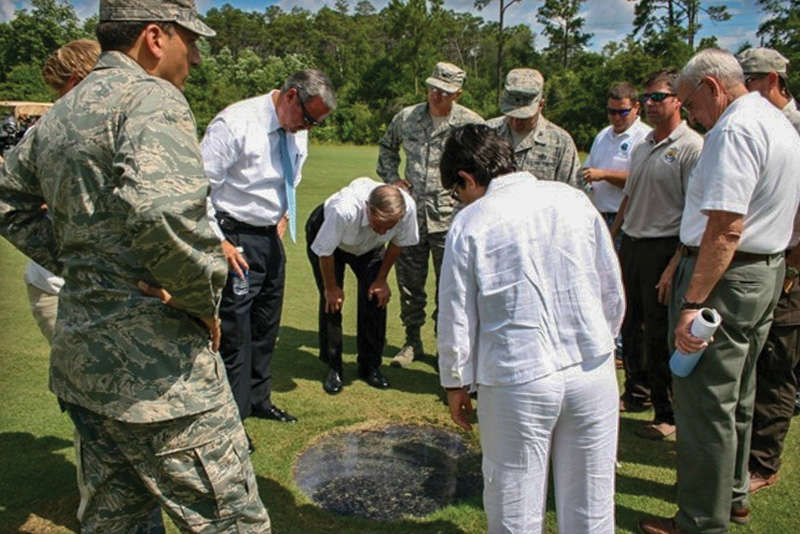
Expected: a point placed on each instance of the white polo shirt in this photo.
(346, 224)
(613, 152)
(749, 165)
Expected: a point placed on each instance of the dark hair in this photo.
(664, 76)
(623, 90)
(119, 35)
(477, 149)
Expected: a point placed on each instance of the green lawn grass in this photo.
(37, 473)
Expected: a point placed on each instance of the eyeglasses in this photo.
(687, 106)
(307, 118)
(620, 112)
(440, 91)
(753, 77)
(454, 194)
(658, 96)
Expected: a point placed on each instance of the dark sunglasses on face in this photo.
(308, 119)
(658, 96)
(620, 112)
(753, 77)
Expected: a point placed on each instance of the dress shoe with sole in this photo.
(740, 516)
(759, 481)
(374, 378)
(333, 382)
(659, 525)
(273, 413)
(655, 431)
(627, 404)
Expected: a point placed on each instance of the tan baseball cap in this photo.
(181, 12)
(447, 77)
(762, 61)
(523, 91)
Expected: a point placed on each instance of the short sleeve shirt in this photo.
(656, 186)
(748, 166)
(346, 224)
(612, 152)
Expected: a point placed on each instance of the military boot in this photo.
(412, 349)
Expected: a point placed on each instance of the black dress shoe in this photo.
(374, 378)
(273, 413)
(250, 447)
(333, 382)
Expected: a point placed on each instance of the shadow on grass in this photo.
(38, 486)
(296, 357)
(288, 515)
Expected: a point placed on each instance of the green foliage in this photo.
(562, 25)
(781, 30)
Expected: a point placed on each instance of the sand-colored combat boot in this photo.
(412, 349)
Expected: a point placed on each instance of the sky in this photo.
(608, 20)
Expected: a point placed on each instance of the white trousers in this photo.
(570, 417)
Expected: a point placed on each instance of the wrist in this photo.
(691, 305)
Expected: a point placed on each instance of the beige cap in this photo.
(181, 12)
(523, 91)
(447, 77)
(762, 61)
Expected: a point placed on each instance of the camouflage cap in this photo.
(181, 12)
(447, 77)
(523, 91)
(762, 61)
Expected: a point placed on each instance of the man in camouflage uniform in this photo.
(540, 147)
(422, 130)
(118, 164)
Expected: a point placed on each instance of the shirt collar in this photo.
(118, 60)
(506, 180)
(272, 116)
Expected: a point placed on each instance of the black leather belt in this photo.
(737, 256)
(646, 239)
(228, 223)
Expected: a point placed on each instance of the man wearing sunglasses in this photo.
(741, 200)
(776, 386)
(540, 147)
(421, 130)
(606, 168)
(253, 153)
(650, 219)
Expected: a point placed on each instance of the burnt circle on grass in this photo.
(389, 472)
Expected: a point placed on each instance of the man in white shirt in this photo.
(606, 168)
(776, 385)
(531, 299)
(604, 173)
(740, 203)
(253, 153)
(351, 228)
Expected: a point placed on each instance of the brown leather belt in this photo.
(739, 255)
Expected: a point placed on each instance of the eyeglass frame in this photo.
(651, 96)
(689, 97)
(750, 78)
(307, 118)
(621, 112)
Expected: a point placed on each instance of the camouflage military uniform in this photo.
(548, 151)
(117, 162)
(414, 129)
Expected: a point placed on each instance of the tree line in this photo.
(378, 60)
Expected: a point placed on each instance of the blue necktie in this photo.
(288, 175)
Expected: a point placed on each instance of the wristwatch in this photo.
(688, 305)
(792, 273)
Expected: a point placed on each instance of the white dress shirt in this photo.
(242, 160)
(611, 151)
(346, 224)
(530, 284)
(748, 166)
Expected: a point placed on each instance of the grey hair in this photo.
(387, 203)
(311, 83)
(718, 64)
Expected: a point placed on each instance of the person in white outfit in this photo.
(531, 299)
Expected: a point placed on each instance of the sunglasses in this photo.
(658, 96)
(307, 118)
(620, 112)
(753, 77)
(454, 193)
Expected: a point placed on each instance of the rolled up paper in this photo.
(703, 326)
